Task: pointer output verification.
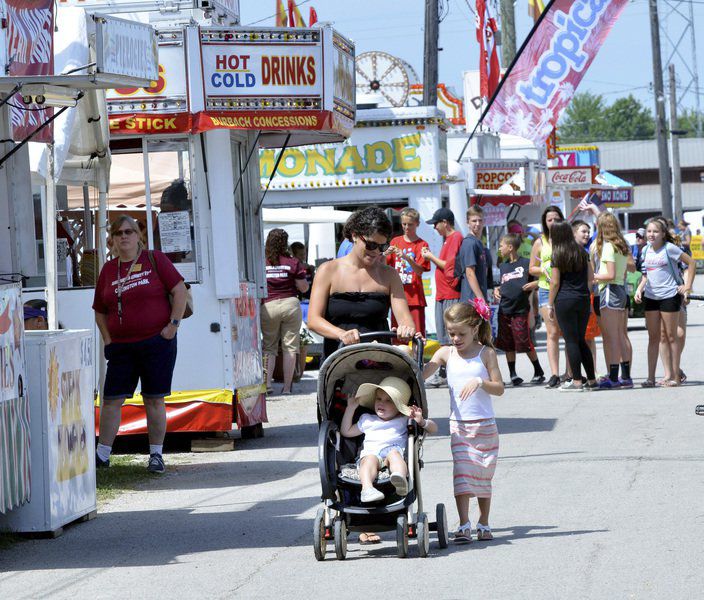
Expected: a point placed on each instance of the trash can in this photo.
(61, 389)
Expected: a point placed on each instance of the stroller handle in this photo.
(418, 343)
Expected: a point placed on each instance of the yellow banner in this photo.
(209, 396)
(697, 247)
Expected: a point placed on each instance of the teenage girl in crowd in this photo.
(540, 267)
(583, 235)
(473, 376)
(663, 290)
(681, 336)
(613, 257)
(568, 303)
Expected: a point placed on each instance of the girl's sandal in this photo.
(484, 532)
(670, 383)
(648, 383)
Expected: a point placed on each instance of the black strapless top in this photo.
(365, 311)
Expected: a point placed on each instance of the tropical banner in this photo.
(14, 404)
(543, 77)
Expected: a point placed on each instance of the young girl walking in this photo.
(473, 376)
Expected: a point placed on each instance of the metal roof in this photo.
(643, 154)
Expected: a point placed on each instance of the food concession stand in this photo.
(184, 163)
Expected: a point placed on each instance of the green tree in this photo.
(688, 121)
(628, 119)
(583, 120)
(589, 119)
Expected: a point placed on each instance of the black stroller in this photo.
(340, 375)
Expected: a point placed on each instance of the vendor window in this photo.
(168, 225)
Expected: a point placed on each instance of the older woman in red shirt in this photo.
(281, 314)
(138, 324)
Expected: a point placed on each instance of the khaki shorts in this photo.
(281, 321)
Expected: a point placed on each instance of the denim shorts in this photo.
(543, 297)
(150, 361)
(383, 453)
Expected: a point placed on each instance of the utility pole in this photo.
(675, 147)
(430, 59)
(658, 88)
(508, 32)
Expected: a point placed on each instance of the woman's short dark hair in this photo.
(366, 222)
(276, 245)
(544, 218)
(567, 255)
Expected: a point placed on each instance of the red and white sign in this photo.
(494, 215)
(576, 177)
(259, 79)
(552, 63)
(495, 175)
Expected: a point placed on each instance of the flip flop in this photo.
(369, 538)
(648, 383)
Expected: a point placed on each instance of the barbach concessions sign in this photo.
(268, 79)
(547, 70)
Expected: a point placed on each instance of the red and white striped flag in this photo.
(489, 68)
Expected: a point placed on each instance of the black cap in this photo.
(442, 214)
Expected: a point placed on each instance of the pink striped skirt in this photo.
(475, 449)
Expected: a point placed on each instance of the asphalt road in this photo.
(595, 496)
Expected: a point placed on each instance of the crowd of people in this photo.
(571, 277)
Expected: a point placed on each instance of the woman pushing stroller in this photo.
(385, 433)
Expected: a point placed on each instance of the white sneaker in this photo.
(400, 484)
(436, 380)
(372, 495)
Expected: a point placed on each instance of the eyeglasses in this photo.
(371, 246)
(123, 232)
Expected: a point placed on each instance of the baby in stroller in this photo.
(385, 433)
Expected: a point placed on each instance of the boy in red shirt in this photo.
(447, 290)
(406, 256)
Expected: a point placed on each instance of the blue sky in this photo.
(622, 67)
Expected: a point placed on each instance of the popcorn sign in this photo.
(552, 63)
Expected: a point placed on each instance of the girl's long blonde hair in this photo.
(464, 313)
(609, 230)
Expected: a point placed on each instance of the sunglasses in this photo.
(371, 246)
(123, 232)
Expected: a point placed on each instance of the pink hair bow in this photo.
(482, 308)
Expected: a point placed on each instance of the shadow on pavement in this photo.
(162, 537)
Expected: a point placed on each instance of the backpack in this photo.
(189, 297)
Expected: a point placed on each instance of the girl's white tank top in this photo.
(459, 372)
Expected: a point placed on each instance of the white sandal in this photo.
(463, 535)
(484, 532)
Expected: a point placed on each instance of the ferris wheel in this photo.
(381, 74)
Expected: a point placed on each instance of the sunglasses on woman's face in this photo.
(371, 246)
(123, 232)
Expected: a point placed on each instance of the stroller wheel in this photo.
(422, 532)
(340, 530)
(441, 525)
(402, 536)
(319, 541)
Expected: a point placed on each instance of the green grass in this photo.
(125, 473)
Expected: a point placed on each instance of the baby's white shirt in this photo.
(378, 434)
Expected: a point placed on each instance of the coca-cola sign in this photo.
(575, 177)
